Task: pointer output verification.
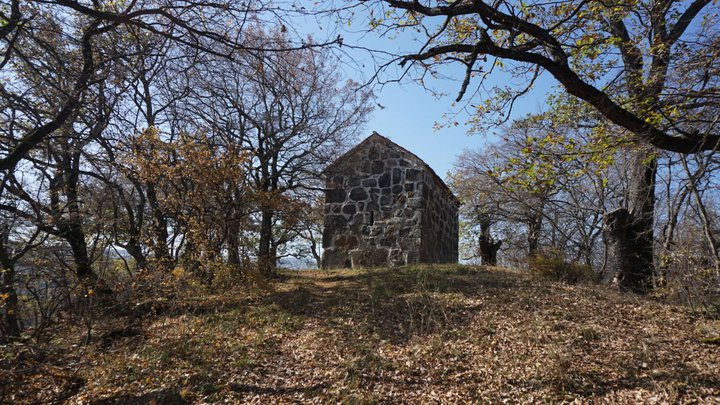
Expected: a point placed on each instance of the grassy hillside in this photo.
(416, 335)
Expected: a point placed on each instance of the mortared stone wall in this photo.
(385, 207)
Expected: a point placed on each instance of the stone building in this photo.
(384, 206)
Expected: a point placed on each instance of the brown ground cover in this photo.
(434, 334)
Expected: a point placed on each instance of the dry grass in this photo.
(444, 334)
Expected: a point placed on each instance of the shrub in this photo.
(551, 265)
(690, 284)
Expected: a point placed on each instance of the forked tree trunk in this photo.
(629, 231)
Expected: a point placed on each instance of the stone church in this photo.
(384, 206)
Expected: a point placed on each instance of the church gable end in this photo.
(380, 200)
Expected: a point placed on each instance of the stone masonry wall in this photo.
(373, 210)
(385, 207)
(439, 225)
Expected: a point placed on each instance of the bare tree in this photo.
(290, 114)
(211, 28)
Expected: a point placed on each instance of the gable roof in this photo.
(376, 137)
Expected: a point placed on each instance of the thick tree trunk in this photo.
(266, 257)
(135, 251)
(629, 231)
(10, 325)
(488, 246)
(190, 254)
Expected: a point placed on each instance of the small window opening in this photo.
(372, 217)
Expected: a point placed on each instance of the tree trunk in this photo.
(534, 228)
(234, 229)
(266, 259)
(587, 253)
(488, 246)
(629, 231)
(70, 222)
(314, 251)
(160, 233)
(233, 246)
(10, 322)
(190, 254)
(135, 251)
(75, 237)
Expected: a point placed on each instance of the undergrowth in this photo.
(553, 266)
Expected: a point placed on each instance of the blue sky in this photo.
(410, 111)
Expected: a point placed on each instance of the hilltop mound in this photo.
(443, 334)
